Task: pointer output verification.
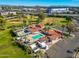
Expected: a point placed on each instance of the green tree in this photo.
(28, 50)
(24, 22)
(41, 15)
(2, 22)
(68, 20)
(39, 54)
(38, 20)
(71, 28)
(20, 16)
(47, 27)
(69, 25)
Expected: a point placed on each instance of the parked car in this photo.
(42, 45)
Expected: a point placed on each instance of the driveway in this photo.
(59, 50)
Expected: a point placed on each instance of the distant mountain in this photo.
(39, 6)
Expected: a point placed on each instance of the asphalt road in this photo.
(59, 50)
(73, 15)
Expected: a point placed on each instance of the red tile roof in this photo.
(39, 25)
(32, 29)
(54, 34)
(35, 28)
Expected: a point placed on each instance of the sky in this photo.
(40, 2)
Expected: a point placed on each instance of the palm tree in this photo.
(28, 50)
(2, 22)
(38, 20)
(68, 20)
(41, 15)
(39, 54)
(71, 28)
(63, 26)
(46, 55)
(47, 27)
(69, 25)
(24, 22)
(77, 51)
(20, 16)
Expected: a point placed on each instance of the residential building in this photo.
(2, 12)
(57, 10)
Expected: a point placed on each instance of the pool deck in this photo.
(30, 37)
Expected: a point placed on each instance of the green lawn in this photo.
(7, 49)
(55, 21)
(60, 22)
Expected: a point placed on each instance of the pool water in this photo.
(37, 36)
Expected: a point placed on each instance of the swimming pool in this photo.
(37, 36)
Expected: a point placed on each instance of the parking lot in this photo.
(59, 50)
